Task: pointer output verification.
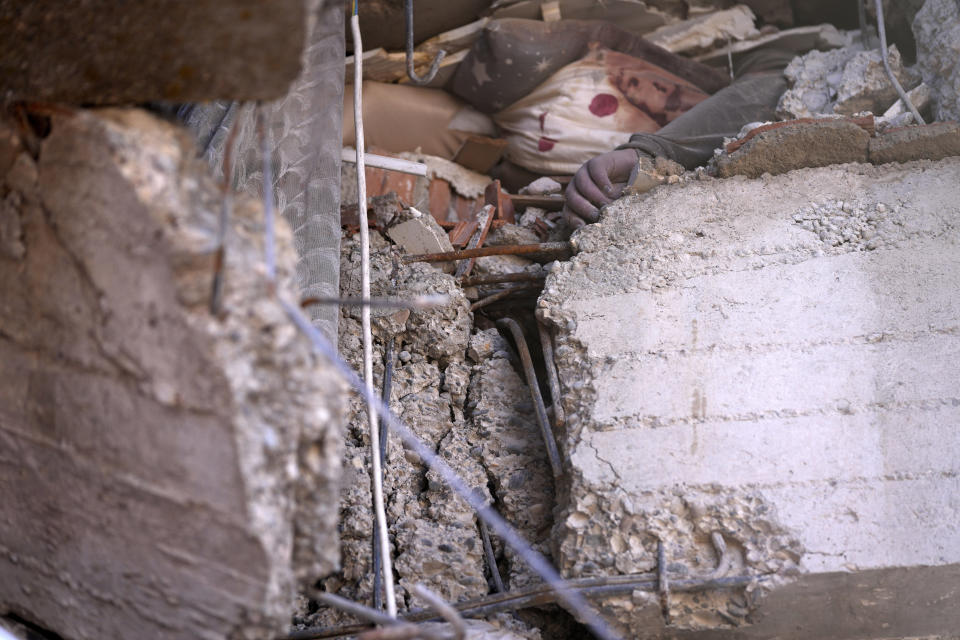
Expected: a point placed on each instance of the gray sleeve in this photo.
(691, 138)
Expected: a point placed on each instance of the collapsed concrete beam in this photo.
(163, 470)
(121, 52)
(772, 362)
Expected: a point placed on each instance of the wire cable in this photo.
(386, 566)
(882, 30)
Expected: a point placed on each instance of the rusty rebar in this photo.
(491, 557)
(500, 278)
(554, 250)
(546, 344)
(541, 594)
(553, 453)
(500, 295)
(663, 582)
(434, 66)
(568, 598)
(413, 302)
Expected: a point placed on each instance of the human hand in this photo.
(599, 181)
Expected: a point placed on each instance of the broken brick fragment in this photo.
(797, 145)
(865, 122)
(931, 142)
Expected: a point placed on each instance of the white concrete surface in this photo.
(717, 350)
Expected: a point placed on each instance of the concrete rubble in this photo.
(704, 32)
(936, 28)
(842, 81)
(765, 385)
(167, 473)
(457, 388)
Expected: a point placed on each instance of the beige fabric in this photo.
(589, 107)
(401, 118)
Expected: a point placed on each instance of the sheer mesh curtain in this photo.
(306, 134)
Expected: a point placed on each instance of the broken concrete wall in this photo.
(773, 362)
(164, 470)
(937, 30)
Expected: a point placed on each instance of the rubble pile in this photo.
(540, 111)
(843, 81)
(458, 387)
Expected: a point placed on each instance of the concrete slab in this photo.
(166, 472)
(772, 361)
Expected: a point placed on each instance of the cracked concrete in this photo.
(455, 387)
(771, 361)
(167, 473)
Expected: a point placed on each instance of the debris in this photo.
(512, 234)
(864, 85)
(484, 219)
(420, 234)
(673, 309)
(544, 251)
(465, 182)
(480, 153)
(796, 145)
(544, 186)
(930, 142)
(460, 235)
(703, 32)
(504, 430)
(540, 410)
(822, 37)
(919, 96)
(502, 202)
(167, 438)
(385, 162)
(634, 16)
(937, 31)
(751, 130)
(843, 81)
